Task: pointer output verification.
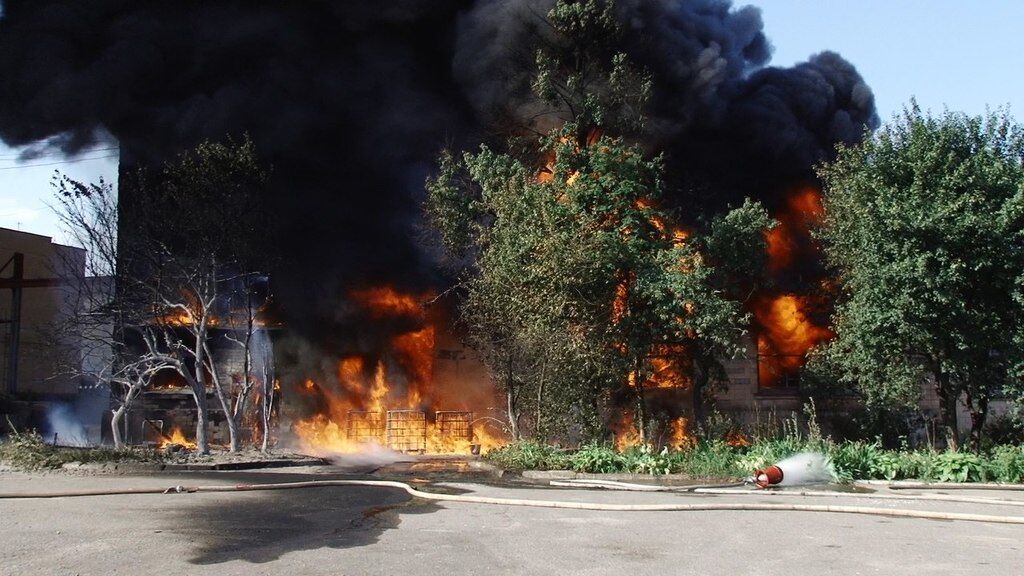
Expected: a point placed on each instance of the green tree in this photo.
(923, 227)
(735, 248)
(577, 266)
(575, 276)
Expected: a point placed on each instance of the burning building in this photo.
(351, 102)
(414, 388)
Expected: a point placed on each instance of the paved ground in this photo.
(380, 531)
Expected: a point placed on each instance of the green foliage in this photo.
(576, 269)
(1006, 429)
(717, 460)
(1005, 464)
(28, 451)
(914, 217)
(529, 455)
(713, 459)
(206, 202)
(597, 457)
(958, 467)
(646, 460)
(580, 77)
(860, 460)
(735, 244)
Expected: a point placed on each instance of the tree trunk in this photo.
(947, 409)
(231, 415)
(202, 442)
(115, 426)
(700, 383)
(268, 405)
(199, 389)
(641, 407)
(118, 414)
(513, 414)
(979, 414)
(540, 399)
(512, 404)
(233, 432)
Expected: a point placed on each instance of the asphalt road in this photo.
(363, 530)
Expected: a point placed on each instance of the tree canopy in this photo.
(577, 275)
(576, 265)
(923, 228)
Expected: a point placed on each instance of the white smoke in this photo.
(369, 457)
(64, 427)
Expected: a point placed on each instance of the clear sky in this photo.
(964, 54)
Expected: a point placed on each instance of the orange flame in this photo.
(802, 209)
(787, 330)
(626, 433)
(787, 335)
(679, 434)
(392, 405)
(670, 367)
(178, 437)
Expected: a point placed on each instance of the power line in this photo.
(55, 154)
(56, 163)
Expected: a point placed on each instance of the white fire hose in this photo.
(719, 490)
(717, 506)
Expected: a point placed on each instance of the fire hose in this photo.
(467, 498)
(727, 490)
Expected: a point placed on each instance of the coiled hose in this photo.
(467, 498)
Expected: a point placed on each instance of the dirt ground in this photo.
(382, 531)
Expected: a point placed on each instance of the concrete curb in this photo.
(191, 466)
(617, 476)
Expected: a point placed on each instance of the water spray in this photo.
(798, 469)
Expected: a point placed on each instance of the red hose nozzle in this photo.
(769, 476)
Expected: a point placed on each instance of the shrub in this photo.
(717, 459)
(860, 460)
(1005, 464)
(529, 455)
(28, 451)
(958, 467)
(645, 460)
(597, 457)
(714, 459)
(1005, 429)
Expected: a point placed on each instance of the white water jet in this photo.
(805, 468)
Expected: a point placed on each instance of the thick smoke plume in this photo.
(351, 102)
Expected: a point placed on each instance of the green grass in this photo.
(28, 451)
(716, 459)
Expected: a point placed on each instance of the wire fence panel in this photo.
(407, 430)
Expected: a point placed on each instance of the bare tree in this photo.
(166, 270)
(247, 298)
(100, 318)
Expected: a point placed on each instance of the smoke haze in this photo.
(351, 102)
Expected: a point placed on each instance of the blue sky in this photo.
(956, 53)
(964, 54)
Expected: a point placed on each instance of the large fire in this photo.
(788, 327)
(792, 235)
(787, 334)
(388, 398)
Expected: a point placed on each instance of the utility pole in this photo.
(17, 283)
(17, 264)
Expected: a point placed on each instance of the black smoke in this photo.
(351, 101)
(730, 124)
